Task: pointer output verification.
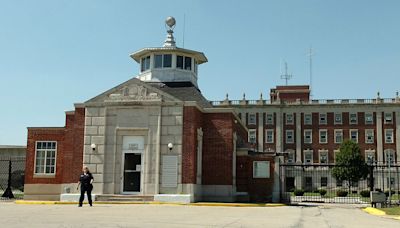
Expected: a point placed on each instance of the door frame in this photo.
(123, 173)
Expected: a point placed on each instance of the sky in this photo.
(57, 53)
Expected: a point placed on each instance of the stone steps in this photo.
(130, 198)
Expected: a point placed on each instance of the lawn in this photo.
(391, 210)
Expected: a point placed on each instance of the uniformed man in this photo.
(85, 182)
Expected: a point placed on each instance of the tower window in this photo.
(167, 60)
(179, 62)
(145, 65)
(188, 63)
(158, 61)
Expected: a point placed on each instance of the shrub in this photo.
(387, 193)
(298, 192)
(341, 193)
(365, 193)
(322, 192)
(316, 191)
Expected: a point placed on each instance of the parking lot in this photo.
(101, 215)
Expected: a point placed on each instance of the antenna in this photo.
(183, 36)
(286, 76)
(310, 55)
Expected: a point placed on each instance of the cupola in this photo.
(169, 63)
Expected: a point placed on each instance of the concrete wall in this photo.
(105, 126)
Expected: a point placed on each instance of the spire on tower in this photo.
(170, 41)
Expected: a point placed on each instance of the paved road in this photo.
(13, 215)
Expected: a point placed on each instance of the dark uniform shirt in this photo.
(85, 180)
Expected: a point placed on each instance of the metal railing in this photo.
(316, 183)
(227, 102)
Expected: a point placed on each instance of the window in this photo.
(290, 157)
(369, 136)
(252, 136)
(308, 157)
(323, 136)
(45, 161)
(309, 183)
(324, 181)
(145, 64)
(167, 60)
(308, 119)
(269, 136)
(188, 63)
(158, 61)
(339, 183)
(338, 136)
(270, 119)
(335, 153)
(179, 62)
(308, 136)
(289, 136)
(388, 135)
(338, 118)
(289, 119)
(322, 118)
(369, 156)
(369, 118)
(353, 118)
(184, 62)
(261, 169)
(252, 119)
(388, 117)
(354, 135)
(389, 156)
(323, 157)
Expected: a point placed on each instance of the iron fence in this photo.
(12, 176)
(317, 183)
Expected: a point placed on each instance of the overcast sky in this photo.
(57, 53)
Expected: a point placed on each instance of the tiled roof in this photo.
(183, 92)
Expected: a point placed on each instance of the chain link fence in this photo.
(12, 176)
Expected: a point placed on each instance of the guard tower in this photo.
(169, 64)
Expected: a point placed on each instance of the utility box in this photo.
(377, 197)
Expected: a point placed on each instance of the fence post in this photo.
(8, 193)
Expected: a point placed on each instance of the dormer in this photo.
(169, 63)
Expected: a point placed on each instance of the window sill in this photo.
(44, 176)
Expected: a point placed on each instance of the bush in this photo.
(387, 193)
(322, 192)
(316, 191)
(298, 192)
(365, 193)
(341, 193)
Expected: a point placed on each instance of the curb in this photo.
(29, 202)
(377, 212)
(374, 211)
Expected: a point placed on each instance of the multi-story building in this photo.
(311, 131)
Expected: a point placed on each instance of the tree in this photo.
(350, 165)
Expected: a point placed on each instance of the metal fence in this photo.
(317, 183)
(12, 176)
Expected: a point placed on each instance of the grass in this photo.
(391, 210)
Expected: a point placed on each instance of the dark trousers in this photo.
(88, 190)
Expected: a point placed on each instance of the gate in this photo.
(12, 176)
(316, 183)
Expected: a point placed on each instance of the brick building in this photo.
(152, 136)
(310, 131)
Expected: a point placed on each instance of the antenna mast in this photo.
(286, 76)
(310, 55)
(183, 36)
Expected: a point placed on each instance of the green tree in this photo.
(350, 165)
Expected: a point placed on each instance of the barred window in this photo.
(261, 169)
(45, 161)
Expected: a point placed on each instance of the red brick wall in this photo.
(69, 155)
(259, 189)
(217, 149)
(192, 120)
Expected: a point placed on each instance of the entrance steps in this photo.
(126, 198)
